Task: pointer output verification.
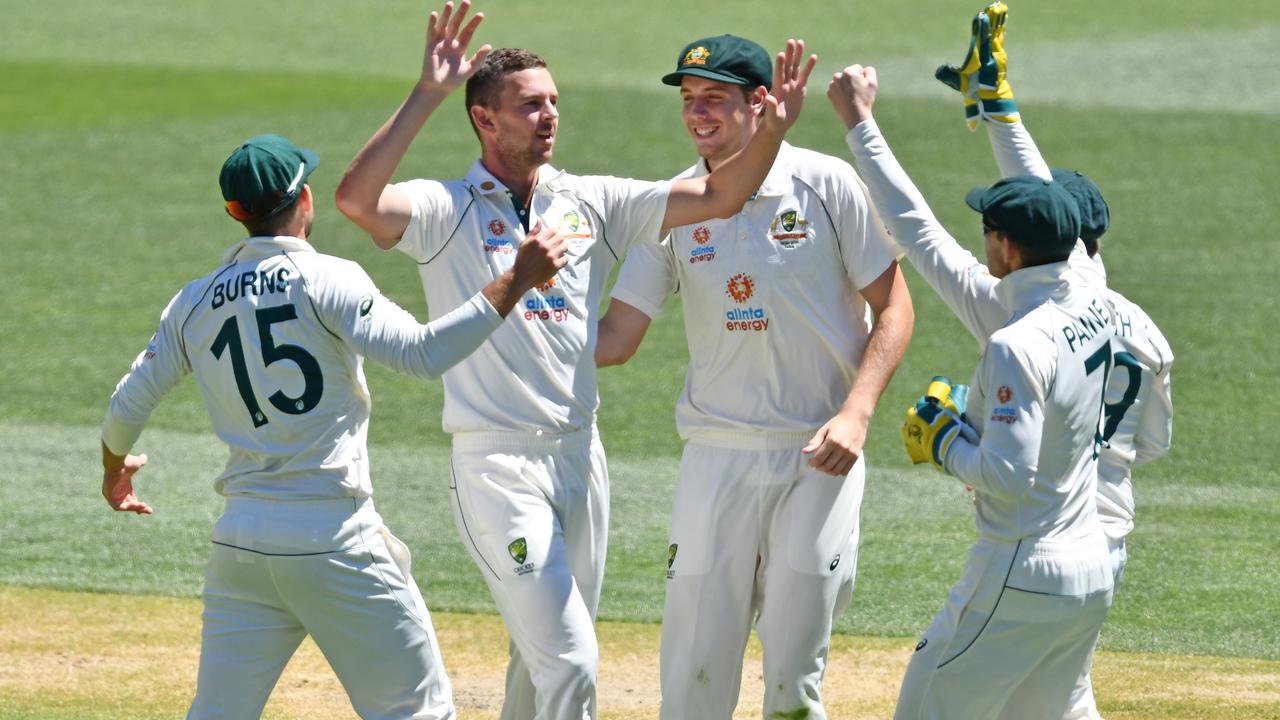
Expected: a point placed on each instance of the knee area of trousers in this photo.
(577, 668)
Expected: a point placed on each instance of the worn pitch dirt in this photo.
(84, 655)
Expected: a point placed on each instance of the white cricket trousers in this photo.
(1082, 705)
(1015, 634)
(533, 510)
(756, 534)
(281, 570)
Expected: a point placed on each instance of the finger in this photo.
(808, 68)
(433, 25)
(445, 16)
(456, 21)
(779, 76)
(478, 59)
(869, 74)
(464, 39)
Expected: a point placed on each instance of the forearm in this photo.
(723, 193)
(361, 189)
(886, 346)
(427, 351)
(111, 462)
(1015, 151)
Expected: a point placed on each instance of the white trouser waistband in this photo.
(535, 441)
(751, 439)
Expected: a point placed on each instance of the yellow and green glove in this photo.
(935, 422)
(983, 78)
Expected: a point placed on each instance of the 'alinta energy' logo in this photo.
(744, 319)
(497, 227)
(702, 252)
(741, 287)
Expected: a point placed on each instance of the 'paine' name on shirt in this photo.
(249, 282)
(1083, 328)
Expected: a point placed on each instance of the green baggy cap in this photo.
(264, 176)
(1037, 214)
(1095, 215)
(725, 58)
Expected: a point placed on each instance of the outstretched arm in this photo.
(364, 194)
(723, 193)
(959, 278)
(386, 334)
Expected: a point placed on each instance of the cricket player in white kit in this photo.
(276, 338)
(1020, 625)
(529, 476)
(1139, 409)
(786, 366)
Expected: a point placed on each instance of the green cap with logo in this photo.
(1037, 214)
(724, 58)
(1095, 215)
(264, 176)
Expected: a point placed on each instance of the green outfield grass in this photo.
(115, 117)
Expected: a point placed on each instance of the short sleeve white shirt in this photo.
(537, 373)
(775, 323)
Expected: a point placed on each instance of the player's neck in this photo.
(519, 180)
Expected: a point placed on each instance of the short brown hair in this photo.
(484, 86)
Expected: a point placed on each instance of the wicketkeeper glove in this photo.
(935, 422)
(962, 78)
(987, 59)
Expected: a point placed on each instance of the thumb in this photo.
(815, 442)
(948, 75)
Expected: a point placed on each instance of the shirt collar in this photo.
(776, 183)
(1033, 285)
(262, 246)
(480, 180)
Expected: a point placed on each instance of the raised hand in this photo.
(445, 63)
(790, 75)
(852, 93)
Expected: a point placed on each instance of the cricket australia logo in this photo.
(749, 319)
(697, 56)
(671, 559)
(570, 221)
(519, 550)
(788, 229)
(702, 252)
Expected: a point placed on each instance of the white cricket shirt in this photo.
(775, 325)
(538, 373)
(276, 339)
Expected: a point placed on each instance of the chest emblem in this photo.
(788, 229)
(497, 227)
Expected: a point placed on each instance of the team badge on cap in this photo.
(697, 56)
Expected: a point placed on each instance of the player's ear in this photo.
(482, 118)
(757, 97)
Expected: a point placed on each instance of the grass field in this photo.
(115, 117)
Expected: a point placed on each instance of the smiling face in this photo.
(519, 130)
(719, 116)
